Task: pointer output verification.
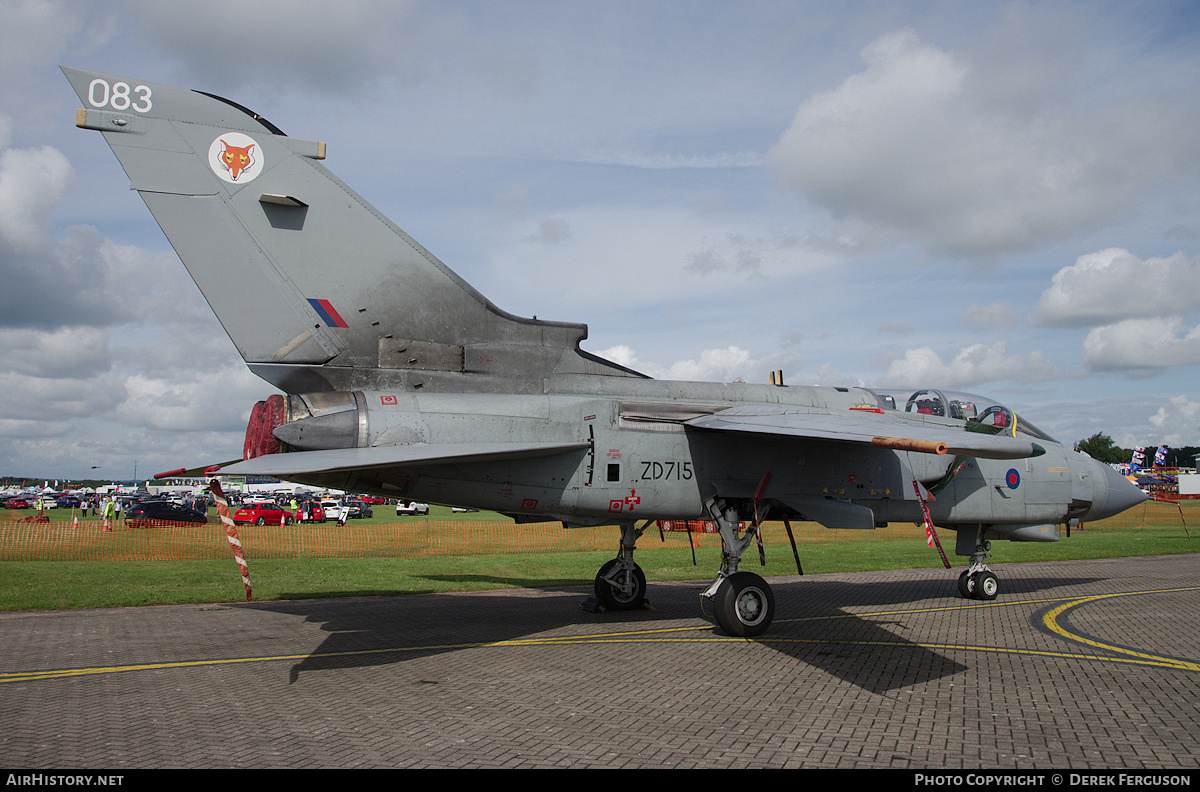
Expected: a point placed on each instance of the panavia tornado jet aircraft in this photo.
(404, 381)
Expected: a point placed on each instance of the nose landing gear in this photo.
(977, 581)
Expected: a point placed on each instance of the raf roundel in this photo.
(235, 157)
(1013, 479)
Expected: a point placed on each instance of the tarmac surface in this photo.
(1079, 664)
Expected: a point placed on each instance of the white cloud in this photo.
(64, 353)
(1142, 346)
(1113, 284)
(47, 282)
(181, 400)
(729, 364)
(55, 400)
(1178, 421)
(828, 375)
(100, 342)
(929, 145)
(714, 365)
(971, 366)
(31, 183)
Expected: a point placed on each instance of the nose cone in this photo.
(1112, 493)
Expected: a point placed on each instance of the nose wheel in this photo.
(982, 585)
(979, 582)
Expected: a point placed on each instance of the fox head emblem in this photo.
(236, 159)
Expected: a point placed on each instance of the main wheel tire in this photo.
(987, 585)
(966, 584)
(744, 605)
(613, 598)
(261, 521)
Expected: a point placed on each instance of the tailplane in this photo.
(315, 287)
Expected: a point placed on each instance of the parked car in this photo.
(359, 509)
(411, 507)
(141, 515)
(311, 508)
(262, 514)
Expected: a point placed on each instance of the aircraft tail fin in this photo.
(311, 282)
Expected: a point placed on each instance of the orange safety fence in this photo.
(86, 540)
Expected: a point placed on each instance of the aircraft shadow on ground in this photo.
(812, 624)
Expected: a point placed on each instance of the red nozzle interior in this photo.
(265, 416)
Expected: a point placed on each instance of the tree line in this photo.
(1100, 446)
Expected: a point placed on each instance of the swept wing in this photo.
(393, 456)
(886, 429)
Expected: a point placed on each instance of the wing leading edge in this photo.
(868, 428)
(417, 454)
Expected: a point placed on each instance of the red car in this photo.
(311, 508)
(262, 514)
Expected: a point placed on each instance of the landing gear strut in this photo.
(979, 582)
(742, 602)
(620, 584)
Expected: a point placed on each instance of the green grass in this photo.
(48, 585)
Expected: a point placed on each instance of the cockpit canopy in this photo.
(976, 413)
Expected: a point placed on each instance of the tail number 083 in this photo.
(119, 96)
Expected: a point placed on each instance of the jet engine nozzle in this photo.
(322, 421)
(264, 417)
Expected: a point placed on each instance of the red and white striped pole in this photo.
(231, 533)
(930, 532)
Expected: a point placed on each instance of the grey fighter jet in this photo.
(403, 381)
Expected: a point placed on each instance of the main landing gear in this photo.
(979, 582)
(742, 602)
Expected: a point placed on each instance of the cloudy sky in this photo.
(993, 197)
